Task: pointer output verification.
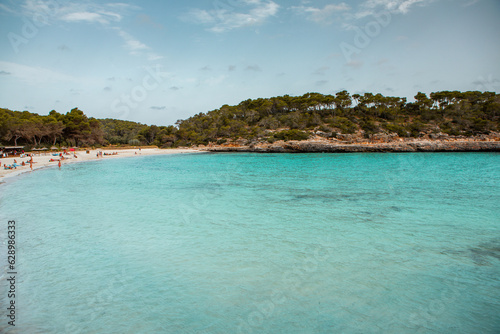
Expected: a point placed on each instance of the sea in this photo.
(255, 243)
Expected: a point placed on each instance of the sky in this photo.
(156, 62)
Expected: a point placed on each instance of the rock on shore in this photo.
(311, 146)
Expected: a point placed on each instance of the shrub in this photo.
(294, 134)
(344, 124)
(399, 129)
(415, 128)
(221, 141)
(369, 126)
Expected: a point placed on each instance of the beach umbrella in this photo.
(53, 148)
(72, 149)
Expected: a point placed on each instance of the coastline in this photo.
(43, 160)
(324, 146)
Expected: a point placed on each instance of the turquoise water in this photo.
(258, 243)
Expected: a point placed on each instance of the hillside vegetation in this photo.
(340, 116)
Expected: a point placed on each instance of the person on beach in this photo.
(59, 164)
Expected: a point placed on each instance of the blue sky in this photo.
(159, 61)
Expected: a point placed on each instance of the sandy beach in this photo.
(42, 160)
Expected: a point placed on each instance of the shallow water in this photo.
(262, 243)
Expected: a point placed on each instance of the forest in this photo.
(285, 117)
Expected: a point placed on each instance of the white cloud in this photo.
(154, 56)
(470, 3)
(76, 11)
(71, 14)
(366, 8)
(5, 8)
(204, 17)
(32, 7)
(83, 16)
(134, 46)
(229, 18)
(372, 7)
(404, 7)
(322, 15)
(35, 75)
(108, 15)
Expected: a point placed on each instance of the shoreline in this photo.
(42, 160)
(323, 146)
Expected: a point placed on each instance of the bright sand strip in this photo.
(41, 160)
